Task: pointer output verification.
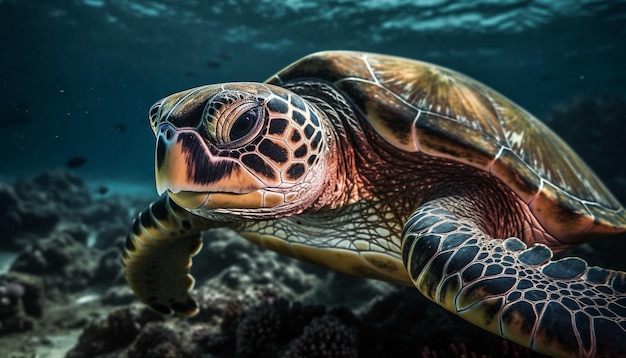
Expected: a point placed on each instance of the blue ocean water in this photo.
(79, 76)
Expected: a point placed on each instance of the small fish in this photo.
(103, 190)
(76, 162)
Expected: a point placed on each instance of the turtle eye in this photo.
(244, 124)
(241, 125)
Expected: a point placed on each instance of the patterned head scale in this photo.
(237, 146)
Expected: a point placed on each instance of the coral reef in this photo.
(325, 336)
(155, 340)
(34, 207)
(63, 261)
(259, 324)
(237, 264)
(19, 220)
(65, 250)
(119, 329)
(56, 189)
(258, 332)
(21, 302)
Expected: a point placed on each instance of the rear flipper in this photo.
(561, 308)
(158, 255)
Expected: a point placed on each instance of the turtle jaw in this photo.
(186, 170)
(218, 200)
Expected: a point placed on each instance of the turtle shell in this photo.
(418, 106)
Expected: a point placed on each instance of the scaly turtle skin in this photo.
(392, 169)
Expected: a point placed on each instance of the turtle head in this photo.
(239, 148)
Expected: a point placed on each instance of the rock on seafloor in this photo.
(21, 302)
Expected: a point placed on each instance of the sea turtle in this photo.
(392, 169)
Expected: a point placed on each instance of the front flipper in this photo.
(158, 255)
(561, 308)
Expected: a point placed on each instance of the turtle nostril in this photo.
(167, 132)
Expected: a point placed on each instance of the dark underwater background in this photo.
(76, 162)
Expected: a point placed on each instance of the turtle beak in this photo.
(184, 163)
(172, 160)
(188, 172)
